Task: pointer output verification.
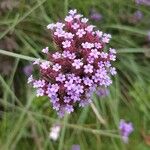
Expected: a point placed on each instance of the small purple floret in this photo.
(125, 130)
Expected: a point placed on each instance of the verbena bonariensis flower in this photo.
(28, 69)
(79, 67)
(143, 2)
(125, 130)
(95, 15)
(75, 147)
(136, 17)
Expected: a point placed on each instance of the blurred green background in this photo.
(25, 120)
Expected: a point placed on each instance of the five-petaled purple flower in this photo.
(77, 63)
(143, 2)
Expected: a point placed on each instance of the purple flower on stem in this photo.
(113, 71)
(95, 15)
(138, 15)
(75, 147)
(69, 108)
(66, 44)
(28, 70)
(125, 130)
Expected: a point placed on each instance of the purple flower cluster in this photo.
(95, 15)
(138, 15)
(28, 70)
(125, 130)
(75, 147)
(143, 2)
(78, 68)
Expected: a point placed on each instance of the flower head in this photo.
(136, 17)
(125, 130)
(78, 68)
(95, 16)
(143, 2)
(75, 147)
(54, 132)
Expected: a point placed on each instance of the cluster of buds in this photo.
(79, 67)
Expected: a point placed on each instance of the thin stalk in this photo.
(100, 118)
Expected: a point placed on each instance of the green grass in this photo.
(25, 120)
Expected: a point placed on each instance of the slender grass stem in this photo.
(102, 121)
